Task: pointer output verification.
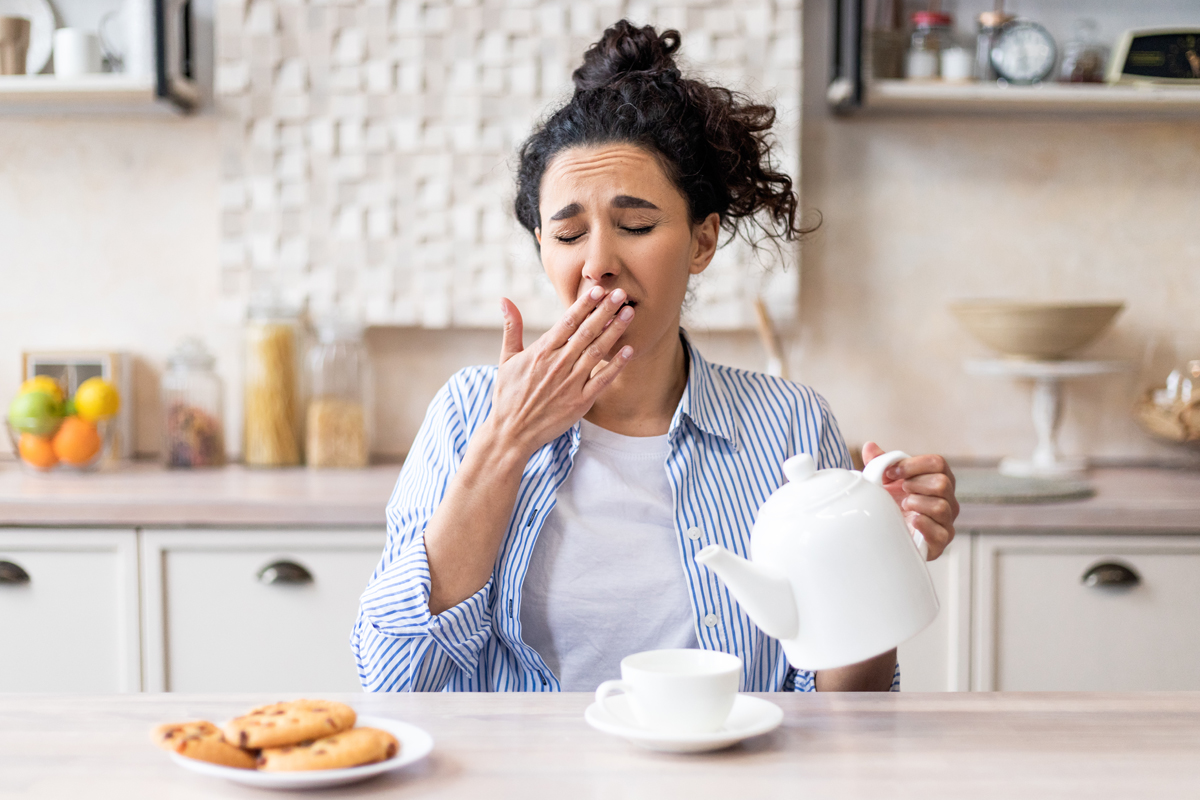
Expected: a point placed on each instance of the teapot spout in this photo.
(765, 595)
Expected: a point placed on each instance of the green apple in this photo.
(38, 413)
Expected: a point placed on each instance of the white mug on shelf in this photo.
(76, 52)
(677, 691)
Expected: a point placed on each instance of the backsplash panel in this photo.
(367, 148)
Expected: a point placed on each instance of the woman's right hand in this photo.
(544, 389)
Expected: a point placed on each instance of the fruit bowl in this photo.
(1038, 331)
(48, 429)
(69, 444)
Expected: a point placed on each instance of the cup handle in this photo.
(608, 689)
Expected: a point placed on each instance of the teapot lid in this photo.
(809, 486)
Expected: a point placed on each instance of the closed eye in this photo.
(569, 239)
(638, 231)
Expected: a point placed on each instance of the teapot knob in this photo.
(799, 467)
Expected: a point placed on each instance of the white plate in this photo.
(751, 716)
(415, 744)
(41, 30)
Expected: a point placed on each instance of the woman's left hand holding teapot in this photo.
(923, 487)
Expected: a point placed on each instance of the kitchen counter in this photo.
(147, 494)
(1127, 500)
(925, 746)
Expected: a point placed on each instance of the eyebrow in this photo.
(620, 201)
(625, 201)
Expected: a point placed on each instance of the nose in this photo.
(601, 261)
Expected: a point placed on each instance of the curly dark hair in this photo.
(714, 144)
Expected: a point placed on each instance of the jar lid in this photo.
(994, 19)
(338, 330)
(191, 352)
(932, 19)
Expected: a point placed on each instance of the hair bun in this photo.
(625, 50)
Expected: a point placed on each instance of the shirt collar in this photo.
(705, 400)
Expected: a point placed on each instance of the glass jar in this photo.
(192, 399)
(990, 23)
(339, 377)
(931, 34)
(272, 422)
(1084, 58)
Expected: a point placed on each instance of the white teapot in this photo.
(834, 574)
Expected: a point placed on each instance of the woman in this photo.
(545, 521)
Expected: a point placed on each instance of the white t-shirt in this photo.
(605, 578)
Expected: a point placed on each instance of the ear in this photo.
(537, 234)
(705, 236)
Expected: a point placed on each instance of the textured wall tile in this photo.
(367, 145)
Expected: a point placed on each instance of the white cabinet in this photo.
(69, 611)
(1039, 625)
(937, 659)
(242, 611)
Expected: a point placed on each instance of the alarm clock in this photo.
(1023, 52)
(1159, 55)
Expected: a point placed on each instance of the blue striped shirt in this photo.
(729, 437)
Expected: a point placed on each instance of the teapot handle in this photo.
(873, 472)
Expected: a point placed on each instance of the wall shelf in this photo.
(89, 94)
(855, 86)
(1066, 98)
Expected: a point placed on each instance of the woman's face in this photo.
(610, 217)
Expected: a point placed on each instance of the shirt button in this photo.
(710, 620)
(693, 533)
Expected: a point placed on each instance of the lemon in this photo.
(96, 399)
(42, 383)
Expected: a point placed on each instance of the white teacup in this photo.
(677, 691)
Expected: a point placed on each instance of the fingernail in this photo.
(596, 293)
(626, 352)
(626, 314)
(617, 297)
(892, 473)
(504, 310)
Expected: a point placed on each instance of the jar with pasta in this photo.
(191, 396)
(339, 377)
(272, 424)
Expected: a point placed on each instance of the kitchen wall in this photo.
(110, 238)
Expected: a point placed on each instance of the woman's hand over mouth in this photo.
(544, 389)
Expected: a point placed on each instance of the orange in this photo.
(36, 451)
(76, 442)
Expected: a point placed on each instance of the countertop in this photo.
(136, 494)
(523, 746)
(1127, 500)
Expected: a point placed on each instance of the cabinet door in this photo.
(937, 658)
(1041, 626)
(69, 611)
(221, 618)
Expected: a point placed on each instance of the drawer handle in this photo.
(1110, 573)
(286, 572)
(11, 573)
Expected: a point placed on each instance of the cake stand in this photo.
(1047, 377)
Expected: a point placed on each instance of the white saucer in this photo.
(415, 744)
(751, 716)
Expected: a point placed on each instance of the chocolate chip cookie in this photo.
(289, 723)
(351, 748)
(202, 741)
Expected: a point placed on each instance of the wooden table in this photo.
(495, 746)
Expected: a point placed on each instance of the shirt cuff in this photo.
(396, 603)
